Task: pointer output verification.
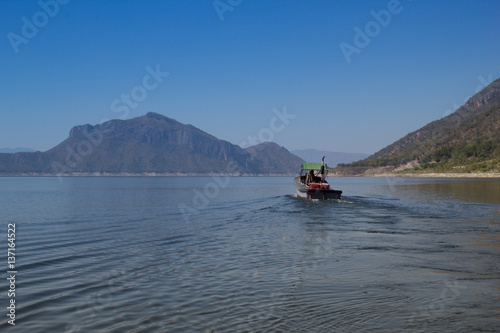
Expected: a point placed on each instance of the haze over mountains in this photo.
(331, 158)
(149, 144)
(467, 140)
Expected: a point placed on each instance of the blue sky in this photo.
(226, 76)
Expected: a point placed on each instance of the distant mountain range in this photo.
(151, 144)
(16, 150)
(331, 158)
(467, 140)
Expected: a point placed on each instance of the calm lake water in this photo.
(245, 255)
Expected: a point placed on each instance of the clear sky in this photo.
(357, 75)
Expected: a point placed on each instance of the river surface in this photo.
(217, 254)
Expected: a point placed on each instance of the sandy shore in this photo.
(442, 175)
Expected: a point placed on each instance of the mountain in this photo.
(16, 150)
(271, 158)
(149, 144)
(460, 142)
(331, 158)
(474, 146)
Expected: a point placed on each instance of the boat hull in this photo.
(317, 194)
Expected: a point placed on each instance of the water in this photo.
(246, 255)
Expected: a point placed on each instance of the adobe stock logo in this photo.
(30, 28)
(372, 29)
(228, 6)
(150, 82)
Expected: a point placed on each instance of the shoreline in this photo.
(153, 174)
(146, 174)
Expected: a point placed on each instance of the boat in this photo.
(311, 182)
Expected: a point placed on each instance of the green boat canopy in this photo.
(312, 166)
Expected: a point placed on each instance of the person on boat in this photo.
(310, 177)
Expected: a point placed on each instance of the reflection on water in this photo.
(484, 190)
(117, 255)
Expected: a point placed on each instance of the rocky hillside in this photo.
(464, 138)
(473, 147)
